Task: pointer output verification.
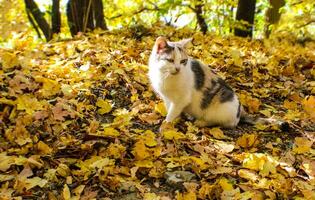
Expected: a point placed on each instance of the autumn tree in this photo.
(245, 13)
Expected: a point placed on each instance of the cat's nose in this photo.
(177, 69)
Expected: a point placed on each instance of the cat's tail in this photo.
(252, 120)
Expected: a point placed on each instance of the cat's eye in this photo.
(184, 61)
(170, 60)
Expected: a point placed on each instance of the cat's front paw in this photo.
(166, 126)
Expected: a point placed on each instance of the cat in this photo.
(186, 85)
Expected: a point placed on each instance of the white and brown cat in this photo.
(187, 85)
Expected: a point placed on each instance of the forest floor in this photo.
(79, 120)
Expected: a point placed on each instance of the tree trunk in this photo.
(38, 16)
(245, 12)
(75, 16)
(99, 15)
(85, 15)
(273, 15)
(55, 16)
(200, 19)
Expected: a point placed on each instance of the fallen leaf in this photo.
(173, 135)
(105, 106)
(217, 133)
(247, 140)
(160, 108)
(302, 145)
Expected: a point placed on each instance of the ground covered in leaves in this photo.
(78, 120)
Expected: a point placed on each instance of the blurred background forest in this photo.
(46, 19)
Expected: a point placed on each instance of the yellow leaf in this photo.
(302, 145)
(172, 134)
(105, 106)
(217, 133)
(225, 184)
(28, 103)
(36, 181)
(116, 150)
(66, 192)
(144, 163)
(205, 190)
(260, 162)
(248, 175)
(254, 161)
(6, 161)
(9, 60)
(160, 108)
(190, 195)
(109, 132)
(63, 170)
(7, 101)
(151, 196)
(50, 87)
(309, 107)
(289, 104)
(149, 138)
(78, 190)
(247, 140)
(43, 148)
(140, 151)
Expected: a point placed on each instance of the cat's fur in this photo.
(187, 85)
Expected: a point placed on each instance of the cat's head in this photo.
(170, 57)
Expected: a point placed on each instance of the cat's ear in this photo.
(185, 42)
(160, 44)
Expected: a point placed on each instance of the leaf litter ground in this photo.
(78, 120)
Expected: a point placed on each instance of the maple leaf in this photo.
(6, 161)
(173, 135)
(50, 87)
(43, 148)
(105, 106)
(140, 151)
(29, 103)
(151, 196)
(225, 184)
(8, 60)
(149, 138)
(247, 140)
(190, 195)
(309, 107)
(302, 145)
(160, 108)
(260, 162)
(116, 150)
(217, 133)
(111, 132)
